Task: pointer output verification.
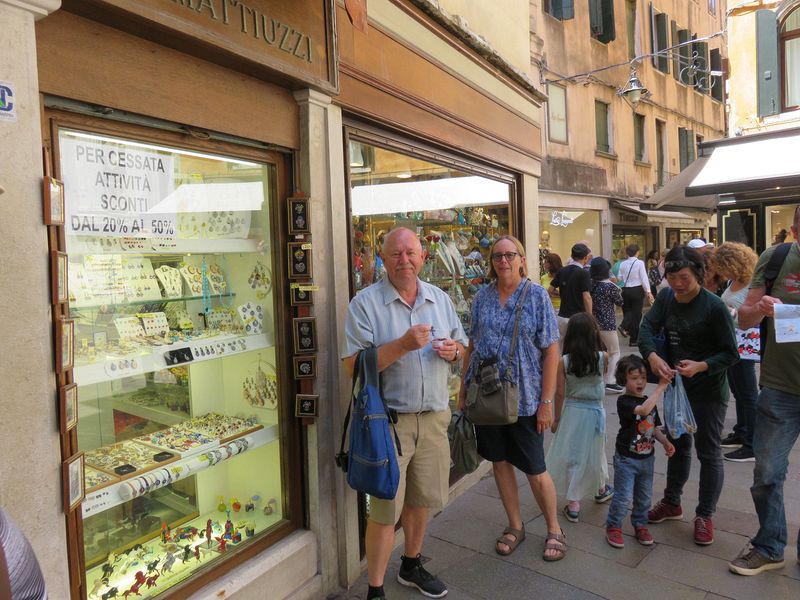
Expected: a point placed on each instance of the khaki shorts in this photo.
(424, 466)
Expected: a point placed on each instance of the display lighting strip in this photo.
(115, 494)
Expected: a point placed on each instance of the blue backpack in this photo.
(371, 463)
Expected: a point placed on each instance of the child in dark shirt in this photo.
(634, 457)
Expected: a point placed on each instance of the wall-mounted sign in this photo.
(8, 103)
(273, 39)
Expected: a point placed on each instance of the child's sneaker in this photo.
(643, 536)
(664, 511)
(605, 495)
(572, 515)
(614, 537)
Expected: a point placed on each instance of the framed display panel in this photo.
(68, 406)
(305, 367)
(307, 405)
(73, 483)
(59, 277)
(300, 265)
(300, 297)
(65, 345)
(304, 334)
(299, 217)
(160, 361)
(53, 201)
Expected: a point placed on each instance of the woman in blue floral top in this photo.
(534, 371)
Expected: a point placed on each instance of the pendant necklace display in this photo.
(261, 389)
(260, 280)
(206, 290)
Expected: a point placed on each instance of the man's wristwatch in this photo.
(546, 402)
(458, 354)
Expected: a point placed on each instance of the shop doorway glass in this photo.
(560, 229)
(779, 221)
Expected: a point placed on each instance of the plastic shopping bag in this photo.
(678, 416)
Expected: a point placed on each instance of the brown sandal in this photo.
(559, 545)
(519, 536)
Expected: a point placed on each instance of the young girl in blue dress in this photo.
(577, 458)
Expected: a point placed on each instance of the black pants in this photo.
(710, 416)
(632, 302)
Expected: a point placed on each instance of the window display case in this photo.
(170, 274)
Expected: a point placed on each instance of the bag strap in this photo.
(771, 272)
(513, 347)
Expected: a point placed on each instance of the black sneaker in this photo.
(741, 455)
(731, 441)
(613, 388)
(427, 584)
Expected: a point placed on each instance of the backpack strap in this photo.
(771, 272)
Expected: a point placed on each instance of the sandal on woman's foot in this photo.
(557, 545)
(519, 536)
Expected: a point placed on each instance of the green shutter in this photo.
(596, 18)
(676, 58)
(662, 22)
(568, 9)
(768, 67)
(691, 142)
(638, 136)
(683, 51)
(682, 152)
(601, 125)
(609, 31)
(702, 59)
(716, 82)
(653, 40)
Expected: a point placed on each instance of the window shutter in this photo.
(682, 153)
(767, 61)
(662, 22)
(683, 52)
(690, 146)
(601, 125)
(595, 17)
(653, 40)
(609, 31)
(638, 136)
(676, 57)
(568, 9)
(716, 82)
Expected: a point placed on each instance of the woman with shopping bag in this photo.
(701, 347)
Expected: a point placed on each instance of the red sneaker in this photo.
(643, 536)
(703, 531)
(664, 511)
(614, 537)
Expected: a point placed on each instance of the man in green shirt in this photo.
(778, 410)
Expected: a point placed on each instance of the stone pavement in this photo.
(460, 544)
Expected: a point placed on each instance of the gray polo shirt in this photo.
(417, 382)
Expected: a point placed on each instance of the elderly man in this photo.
(777, 411)
(418, 335)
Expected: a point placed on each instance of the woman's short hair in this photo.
(682, 257)
(599, 268)
(733, 260)
(631, 249)
(555, 262)
(523, 267)
(626, 364)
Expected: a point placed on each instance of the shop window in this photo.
(456, 214)
(638, 137)
(778, 62)
(560, 228)
(779, 220)
(790, 53)
(557, 113)
(659, 41)
(631, 29)
(601, 20)
(179, 387)
(686, 151)
(602, 123)
(560, 9)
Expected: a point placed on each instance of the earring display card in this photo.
(155, 323)
(216, 281)
(220, 318)
(252, 317)
(139, 279)
(170, 279)
(304, 332)
(128, 327)
(214, 225)
(80, 288)
(178, 318)
(194, 279)
(300, 266)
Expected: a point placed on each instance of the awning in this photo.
(757, 162)
(673, 193)
(662, 217)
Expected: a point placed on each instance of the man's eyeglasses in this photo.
(679, 264)
(499, 256)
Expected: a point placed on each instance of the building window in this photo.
(712, 6)
(631, 26)
(660, 154)
(602, 127)
(601, 20)
(686, 142)
(659, 41)
(557, 113)
(790, 59)
(638, 137)
(684, 76)
(716, 82)
(700, 57)
(560, 9)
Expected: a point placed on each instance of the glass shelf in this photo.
(77, 309)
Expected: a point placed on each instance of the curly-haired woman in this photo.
(735, 262)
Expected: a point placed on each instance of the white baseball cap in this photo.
(696, 243)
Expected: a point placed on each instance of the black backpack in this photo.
(771, 273)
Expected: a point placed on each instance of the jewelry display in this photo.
(129, 327)
(96, 479)
(220, 318)
(194, 279)
(170, 279)
(139, 279)
(252, 316)
(126, 458)
(155, 323)
(260, 280)
(261, 389)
